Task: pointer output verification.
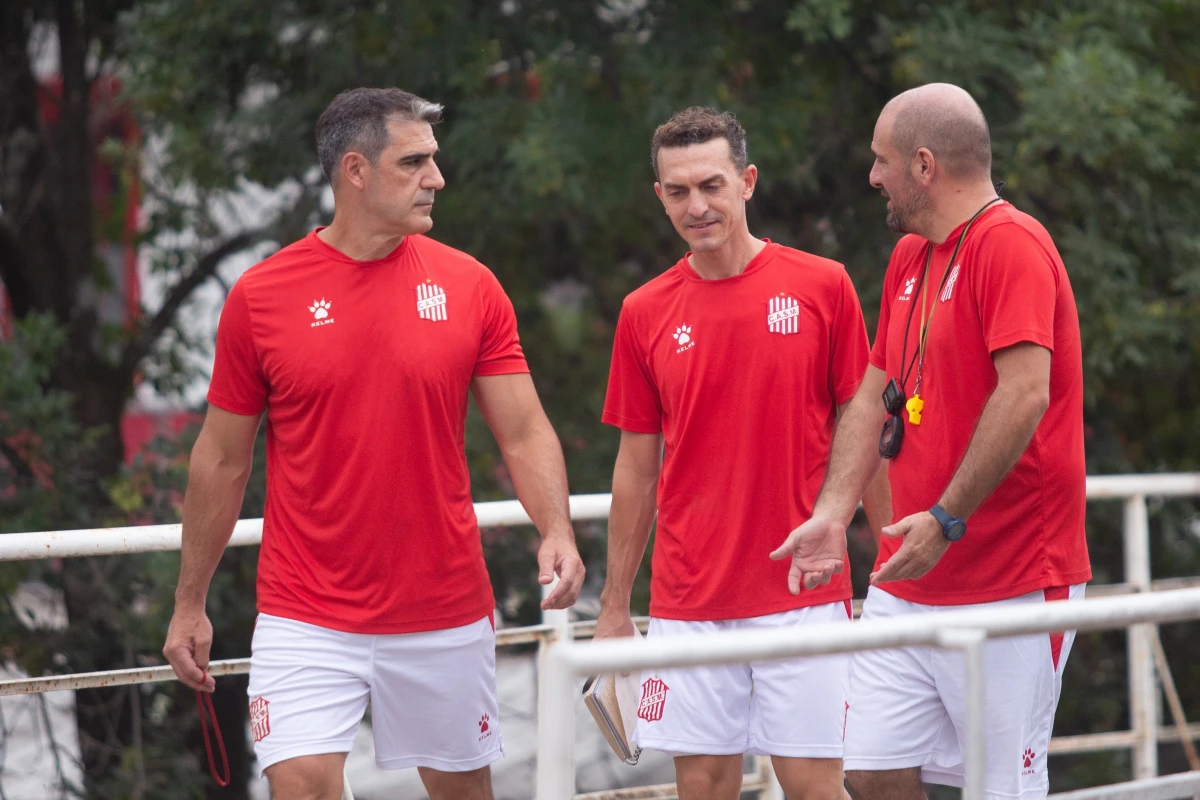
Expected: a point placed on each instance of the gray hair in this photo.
(357, 121)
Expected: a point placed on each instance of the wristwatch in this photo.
(953, 528)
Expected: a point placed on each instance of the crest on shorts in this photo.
(783, 314)
(654, 698)
(431, 302)
(260, 720)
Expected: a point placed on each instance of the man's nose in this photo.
(434, 179)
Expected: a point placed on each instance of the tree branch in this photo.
(282, 228)
(149, 331)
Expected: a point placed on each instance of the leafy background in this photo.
(550, 107)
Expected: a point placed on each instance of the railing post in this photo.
(972, 643)
(556, 724)
(556, 710)
(1143, 690)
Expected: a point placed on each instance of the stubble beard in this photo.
(904, 213)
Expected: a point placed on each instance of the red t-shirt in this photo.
(363, 368)
(1008, 286)
(743, 377)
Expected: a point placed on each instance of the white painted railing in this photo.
(966, 630)
(1133, 489)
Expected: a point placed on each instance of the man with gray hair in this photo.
(982, 419)
(360, 343)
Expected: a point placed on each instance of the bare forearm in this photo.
(854, 461)
(539, 475)
(1003, 432)
(210, 510)
(877, 502)
(634, 506)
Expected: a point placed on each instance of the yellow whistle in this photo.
(914, 406)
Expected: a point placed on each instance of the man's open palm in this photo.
(818, 552)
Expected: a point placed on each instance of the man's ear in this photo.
(924, 166)
(354, 168)
(749, 181)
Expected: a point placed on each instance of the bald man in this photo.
(975, 395)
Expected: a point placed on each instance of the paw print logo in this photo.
(483, 723)
(320, 308)
(1028, 757)
(683, 334)
(908, 286)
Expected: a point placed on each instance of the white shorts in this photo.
(432, 694)
(908, 705)
(793, 708)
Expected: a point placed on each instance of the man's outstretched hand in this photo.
(818, 552)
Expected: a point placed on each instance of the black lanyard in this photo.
(919, 356)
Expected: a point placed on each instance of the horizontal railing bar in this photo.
(584, 629)
(1166, 787)
(742, 646)
(248, 532)
(1113, 740)
(505, 637)
(1154, 484)
(1160, 585)
(1092, 742)
(116, 677)
(663, 791)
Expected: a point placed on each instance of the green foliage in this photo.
(40, 439)
(550, 108)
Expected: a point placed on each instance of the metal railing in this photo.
(1142, 739)
(965, 630)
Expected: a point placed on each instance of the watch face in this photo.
(956, 531)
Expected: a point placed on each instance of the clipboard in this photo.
(612, 699)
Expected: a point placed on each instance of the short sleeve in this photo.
(238, 384)
(632, 402)
(850, 352)
(879, 347)
(499, 346)
(1015, 284)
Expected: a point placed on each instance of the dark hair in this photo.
(697, 125)
(357, 120)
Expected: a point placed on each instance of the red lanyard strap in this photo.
(205, 705)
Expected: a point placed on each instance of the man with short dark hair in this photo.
(981, 413)
(736, 360)
(361, 341)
